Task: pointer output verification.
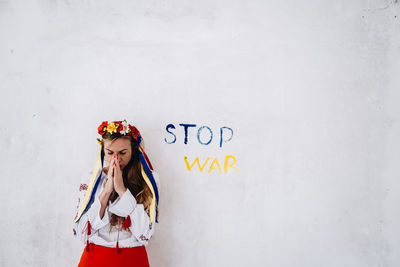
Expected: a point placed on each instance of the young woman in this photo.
(118, 206)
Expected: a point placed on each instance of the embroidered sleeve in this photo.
(136, 217)
(123, 206)
(141, 226)
(91, 218)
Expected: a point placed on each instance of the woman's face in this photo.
(120, 146)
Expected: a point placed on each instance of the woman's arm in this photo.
(96, 216)
(103, 198)
(141, 226)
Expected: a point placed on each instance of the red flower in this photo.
(133, 129)
(103, 128)
(134, 132)
(119, 126)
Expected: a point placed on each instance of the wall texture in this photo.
(309, 89)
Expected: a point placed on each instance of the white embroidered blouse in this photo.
(141, 229)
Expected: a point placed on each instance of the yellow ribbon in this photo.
(153, 201)
(90, 187)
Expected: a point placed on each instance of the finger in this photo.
(115, 157)
(112, 160)
(118, 168)
(111, 170)
(110, 165)
(117, 164)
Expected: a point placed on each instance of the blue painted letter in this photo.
(220, 142)
(167, 128)
(198, 135)
(186, 129)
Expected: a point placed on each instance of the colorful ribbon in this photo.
(92, 186)
(146, 170)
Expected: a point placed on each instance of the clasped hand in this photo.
(114, 175)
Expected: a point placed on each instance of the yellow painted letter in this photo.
(215, 162)
(226, 165)
(198, 163)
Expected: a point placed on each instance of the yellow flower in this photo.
(111, 128)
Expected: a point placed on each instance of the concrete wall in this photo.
(309, 89)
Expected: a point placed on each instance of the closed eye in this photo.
(121, 153)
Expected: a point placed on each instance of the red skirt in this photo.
(99, 256)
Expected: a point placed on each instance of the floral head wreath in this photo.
(123, 128)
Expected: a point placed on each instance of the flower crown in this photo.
(121, 127)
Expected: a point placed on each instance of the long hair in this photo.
(133, 181)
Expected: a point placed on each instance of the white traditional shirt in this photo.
(141, 228)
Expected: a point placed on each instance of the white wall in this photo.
(310, 90)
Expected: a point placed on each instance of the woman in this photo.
(118, 205)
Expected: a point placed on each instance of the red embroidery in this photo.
(151, 225)
(143, 238)
(74, 231)
(83, 187)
